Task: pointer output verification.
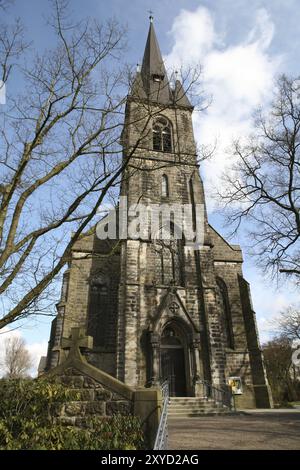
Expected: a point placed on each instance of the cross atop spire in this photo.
(151, 17)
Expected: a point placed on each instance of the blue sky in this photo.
(233, 20)
(242, 46)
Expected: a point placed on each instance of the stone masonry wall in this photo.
(95, 400)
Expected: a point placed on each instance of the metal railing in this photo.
(221, 396)
(162, 431)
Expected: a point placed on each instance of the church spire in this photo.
(153, 66)
(151, 82)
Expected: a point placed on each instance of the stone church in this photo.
(155, 310)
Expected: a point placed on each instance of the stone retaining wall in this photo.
(93, 400)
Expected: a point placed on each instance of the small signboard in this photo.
(236, 385)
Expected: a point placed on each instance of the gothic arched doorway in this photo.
(172, 361)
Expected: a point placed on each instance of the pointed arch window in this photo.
(165, 186)
(169, 257)
(162, 135)
(225, 319)
(98, 308)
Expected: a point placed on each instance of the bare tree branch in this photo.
(16, 361)
(263, 187)
(62, 152)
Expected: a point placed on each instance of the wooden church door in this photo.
(173, 363)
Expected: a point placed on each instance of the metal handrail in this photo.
(221, 396)
(162, 431)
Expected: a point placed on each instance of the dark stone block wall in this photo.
(93, 400)
(261, 389)
(90, 300)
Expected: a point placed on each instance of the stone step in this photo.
(190, 402)
(187, 407)
(193, 403)
(191, 408)
(188, 398)
(184, 412)
(199, 410)
(214, 412)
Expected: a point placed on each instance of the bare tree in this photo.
(263, 188)
(287, 324)
(17, 360)
(280, 370)
(60, 151)
(4, 4)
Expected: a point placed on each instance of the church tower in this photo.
(163, 308)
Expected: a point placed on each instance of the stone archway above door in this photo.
(175, 351)
(172, 306)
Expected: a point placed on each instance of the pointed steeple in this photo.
(153, 76)
(153, 65)
(151, 82)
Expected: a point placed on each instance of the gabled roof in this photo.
(180, 97)
(222, 250)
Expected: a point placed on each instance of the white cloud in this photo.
(269, 304)
(194, 36)
(239, 77)
(36, 350)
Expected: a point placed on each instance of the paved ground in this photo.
(251, 430)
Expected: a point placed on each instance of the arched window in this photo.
(164, 186)
(169, 257)
(192, 198)
(225, 319)
(162, 135)
(99, 315)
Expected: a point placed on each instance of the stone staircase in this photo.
(192, 407)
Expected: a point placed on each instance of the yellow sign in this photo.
(236, 385)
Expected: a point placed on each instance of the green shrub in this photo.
(28, 420)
